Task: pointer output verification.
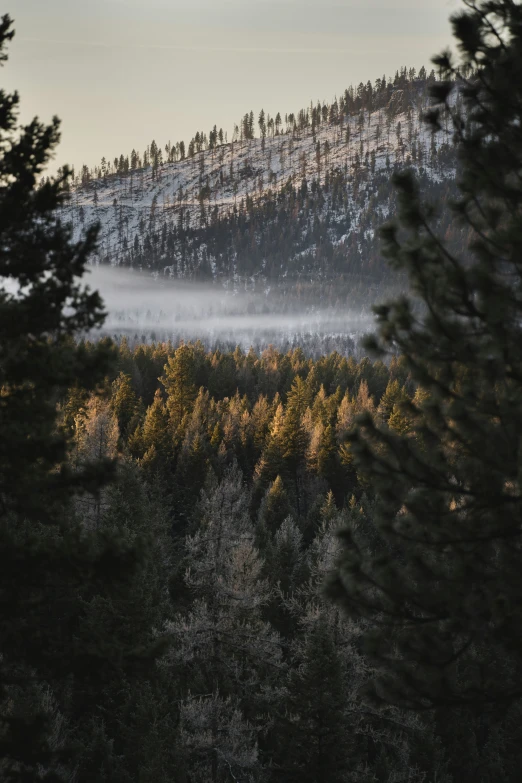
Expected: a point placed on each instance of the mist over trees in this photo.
(228, 565)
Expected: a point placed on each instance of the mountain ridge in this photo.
(297, 209)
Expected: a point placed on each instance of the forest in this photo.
(237, 470)
(271, 565)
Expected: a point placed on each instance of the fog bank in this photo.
(145, 308)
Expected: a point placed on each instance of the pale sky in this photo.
(120, 73)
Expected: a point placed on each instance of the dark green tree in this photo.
(45, 559)
(127, 620)
(442, 592)
(294, 437)
(124, 403)
(274, 507)
(286, 570)
(314, 741)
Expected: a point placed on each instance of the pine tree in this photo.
(191, 470)
(225, 651)
(394, 394)
(285, 571)
(124, 402)
(377, 744)
(219, 743)
(96, 438)
(294, 437)
(179, 383)
(314, 738)
(127, 620)
(328, 462)
(96, 432)
(45, 558)
(271, 463)
(274, 507)
(153, 435)
(442, 595)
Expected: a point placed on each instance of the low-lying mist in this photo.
(145, 308)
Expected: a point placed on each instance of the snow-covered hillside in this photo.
(213, 185)
(287, 224)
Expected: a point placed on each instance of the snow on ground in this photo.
(127, 204)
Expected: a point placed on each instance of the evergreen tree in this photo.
(274, 507)
(152, 437)
(127, 620)
(294, 438)
(285, 571)
(45, 558)
(124, 402)
(442, 594)
(179, 383)
(393, 395)
(225, 652)
(96, 438)
(315, 742)
(96, 431)
(271, 464)
(219, 743)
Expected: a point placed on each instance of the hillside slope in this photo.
(294, 212)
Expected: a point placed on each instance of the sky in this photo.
(120, 73)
